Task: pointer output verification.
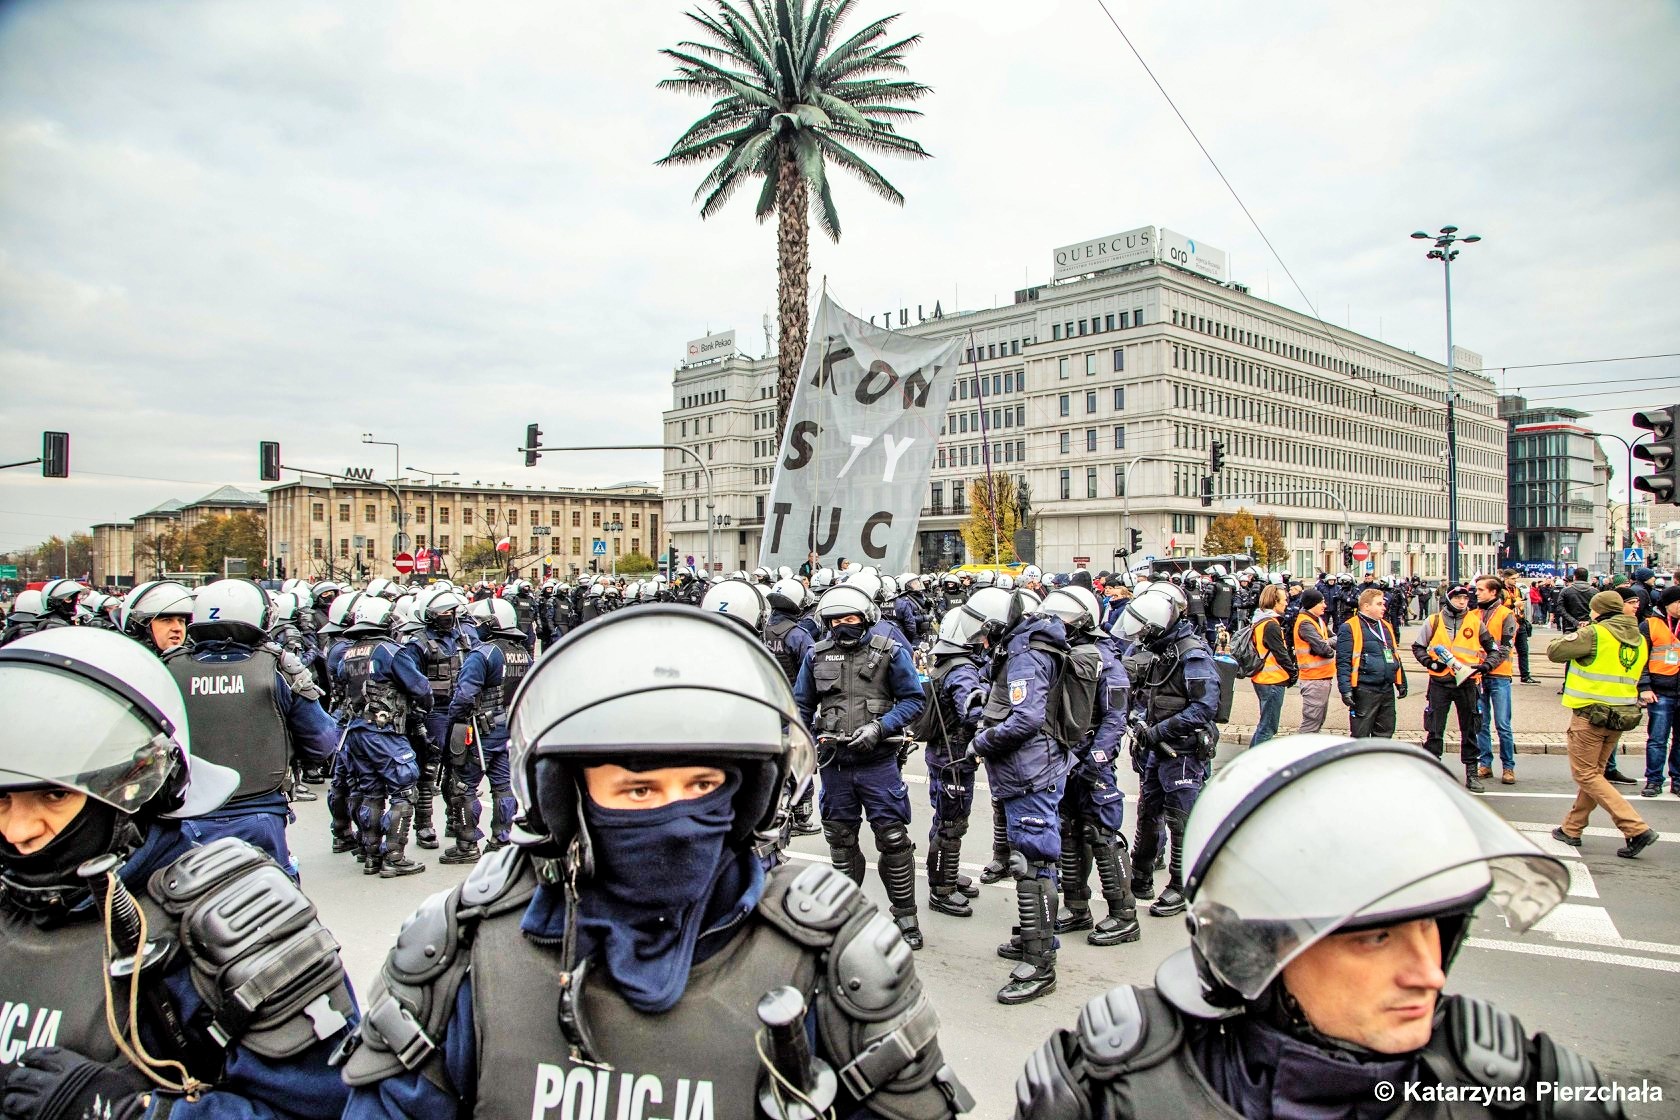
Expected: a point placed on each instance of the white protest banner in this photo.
(859, 444)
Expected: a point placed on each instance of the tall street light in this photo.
(614, 526)
(1446, 254)
(1627, 534)
(431, 484)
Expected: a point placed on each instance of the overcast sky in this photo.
(222, 221)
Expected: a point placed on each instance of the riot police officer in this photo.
(156, 614)
(636, 883)
(1175, 697)
(254, 708)
(1093, 810)
(1026, 766)
(517, 592)
(1318, 991)
(490, 675)
(231, 1011)
(956, 693)
(856, 691)
(24, 617)
(381, 689)
(435, 651)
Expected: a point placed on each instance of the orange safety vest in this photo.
(1270, 671)
(1311, 666)
(1357, 624)
(1496, 627)
(1665, 648)
(1465, 642)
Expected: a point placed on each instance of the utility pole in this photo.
(1446, 254)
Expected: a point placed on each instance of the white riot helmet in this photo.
(1032, 574)
(889, 589)
(788, 595)
(494, 615)
(301, 586)
(983, 614)
(1003, 580)
(283, 607)
(763, 575)
(821, 580)
(1260, 896)
(377, 586)
(910, 581)
(649, 591)
(95, 608)
(439, 608)
(60, 596)
(371, 618)
(1148, 614)
(866, 582)
(1076, 606)
(324, 592)
(740, 600)
(340, 614)
(983, 578)
(230, 610)
(29, 603)
(845, 599)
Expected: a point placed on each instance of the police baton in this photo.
(796, 1085)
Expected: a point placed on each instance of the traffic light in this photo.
(279, 567)
(268, 460)
(533, 438)
(1347, 555)
(1136, 540)
(55, 454)
(1663, 483)
(1216, 456)
(1207, 490)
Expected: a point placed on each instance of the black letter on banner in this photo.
(865, 395)
(825, 371)
(916, 389)
(822, 548)
(778, 512)
(800, 444)
(882, 520)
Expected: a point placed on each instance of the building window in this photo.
(466, 516)
(1062, 365)
(1063, 404)
(1119, 437)
(316, 547)
(370, 512)
(1066, 443)
(1009, 382)
(1082, 326)
(1066, 483)
(344, 511)
(1090, 440)
(1020, 416)
(595, 519)
(317, 511)
(1108, 322)
(443, 515)
(419, 513)
(1137, 317)
(443, 544)
(1090, 364)
(577, 542)
(1119, 482)
(1119, 359)
(577, 519)
(1055, 331)
(959, 499)
(344, 548)
(636, 522)
(1090, 400)
(1091, 481)
(420, 540)
(1119, 396)
(1020, 451)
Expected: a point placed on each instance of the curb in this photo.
(1233, 734)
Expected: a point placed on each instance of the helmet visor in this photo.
(60, 732)
(1425, 848)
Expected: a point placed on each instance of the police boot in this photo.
(343, 825)
(1172, 899)
(1144, 844)
(943, 894)
(1109, 853)
(999, 867)
(460, 827)
(1035, 902)
(371, 816)
(804, 820)
(424, 834)
(396, 863)
(1074, 870)
(843, 849)
(503, 808)
(897, 864)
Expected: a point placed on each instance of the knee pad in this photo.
(893, 838)
(953, 831)
(1099, 837)
(840, 836)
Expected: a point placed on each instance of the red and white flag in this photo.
(505, 545)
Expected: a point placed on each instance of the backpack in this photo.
(1245, 651)
(1072, 705)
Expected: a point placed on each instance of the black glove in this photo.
(865, 738)
(1400, 691)
(1347, 700)
(50, 1083)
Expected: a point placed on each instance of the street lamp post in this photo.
(1446, 254)
(431, 486)
(398, 542)
(615, 527)
(1627, 533)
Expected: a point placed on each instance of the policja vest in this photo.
(1159, 680)
(1311, 666)
(946, 737)
(1664, 660)
(1611, 677)
(233, 708)
(1391, 654)
(443, 668)
(853, 687)
(1465, 640)
(51, 988)
(493, 701)
(379, 701)
(776, 641)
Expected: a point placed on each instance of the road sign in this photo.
(598, 548)
(1081, 561)
(403, 562)
(1361, 550)
(1370, 565)
(1633, 557)
(423, 564)
(400, 542)
(8, 571)
(689, 560)
(541, 530)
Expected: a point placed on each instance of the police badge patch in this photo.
(1017, 691)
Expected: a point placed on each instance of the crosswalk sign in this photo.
(598, 548)
(1633, 557)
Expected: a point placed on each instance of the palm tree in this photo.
(789, 100)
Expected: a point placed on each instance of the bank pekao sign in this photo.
(1132, 247)
(1193, 256)
(710, 348)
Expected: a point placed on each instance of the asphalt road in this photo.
(1602, 974)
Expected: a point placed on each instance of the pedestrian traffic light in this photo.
(1216, 456)
(1136, 540)
(268, 460)
(55, 454)
(1347, 555)
(279, 567)
(1663, 483)
(1207, 490)
(533, 439)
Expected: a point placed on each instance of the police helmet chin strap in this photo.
(573, 973)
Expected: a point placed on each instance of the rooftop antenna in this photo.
(767, 347)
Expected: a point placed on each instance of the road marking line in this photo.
(1580, 880)
(1577, 918)
(1573, 954)
(921, 871)
(1620, 943)
(1637, 802)
(1552, 847)
(1590, 830)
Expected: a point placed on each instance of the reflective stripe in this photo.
(1270, 671)
(1469, 650)
(1606, 681)
(1665, 648)
(1311, 666)
(1496, 626)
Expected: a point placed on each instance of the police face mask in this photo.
(46, 881)
(661, 878)
(847, 633)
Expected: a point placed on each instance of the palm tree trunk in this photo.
(793, 270)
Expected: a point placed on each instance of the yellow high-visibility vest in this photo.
(1611, 677)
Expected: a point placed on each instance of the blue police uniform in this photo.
(904, 613)
(1025, 766)
(1092, 792)
(484, 668)
(888, 628)
(958, 693)
(384, 767)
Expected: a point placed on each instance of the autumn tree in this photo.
(1270, 548)
(237, 536)
(635, 564)
(1225, 534)
(993, 518)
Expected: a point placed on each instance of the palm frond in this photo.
(811, 169)
(851, 161)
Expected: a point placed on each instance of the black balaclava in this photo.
(45, 883)
(848, 634)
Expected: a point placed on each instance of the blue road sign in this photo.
(598, 548)
(1633, 557)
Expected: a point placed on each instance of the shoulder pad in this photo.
(1489, 1044)
(428, 941)
(499, 881)
(809, 904)
(266, 968)
(824, 645)
(1594, 1098)
(1127, 1028)
(1048, 1089)
(870, 969)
